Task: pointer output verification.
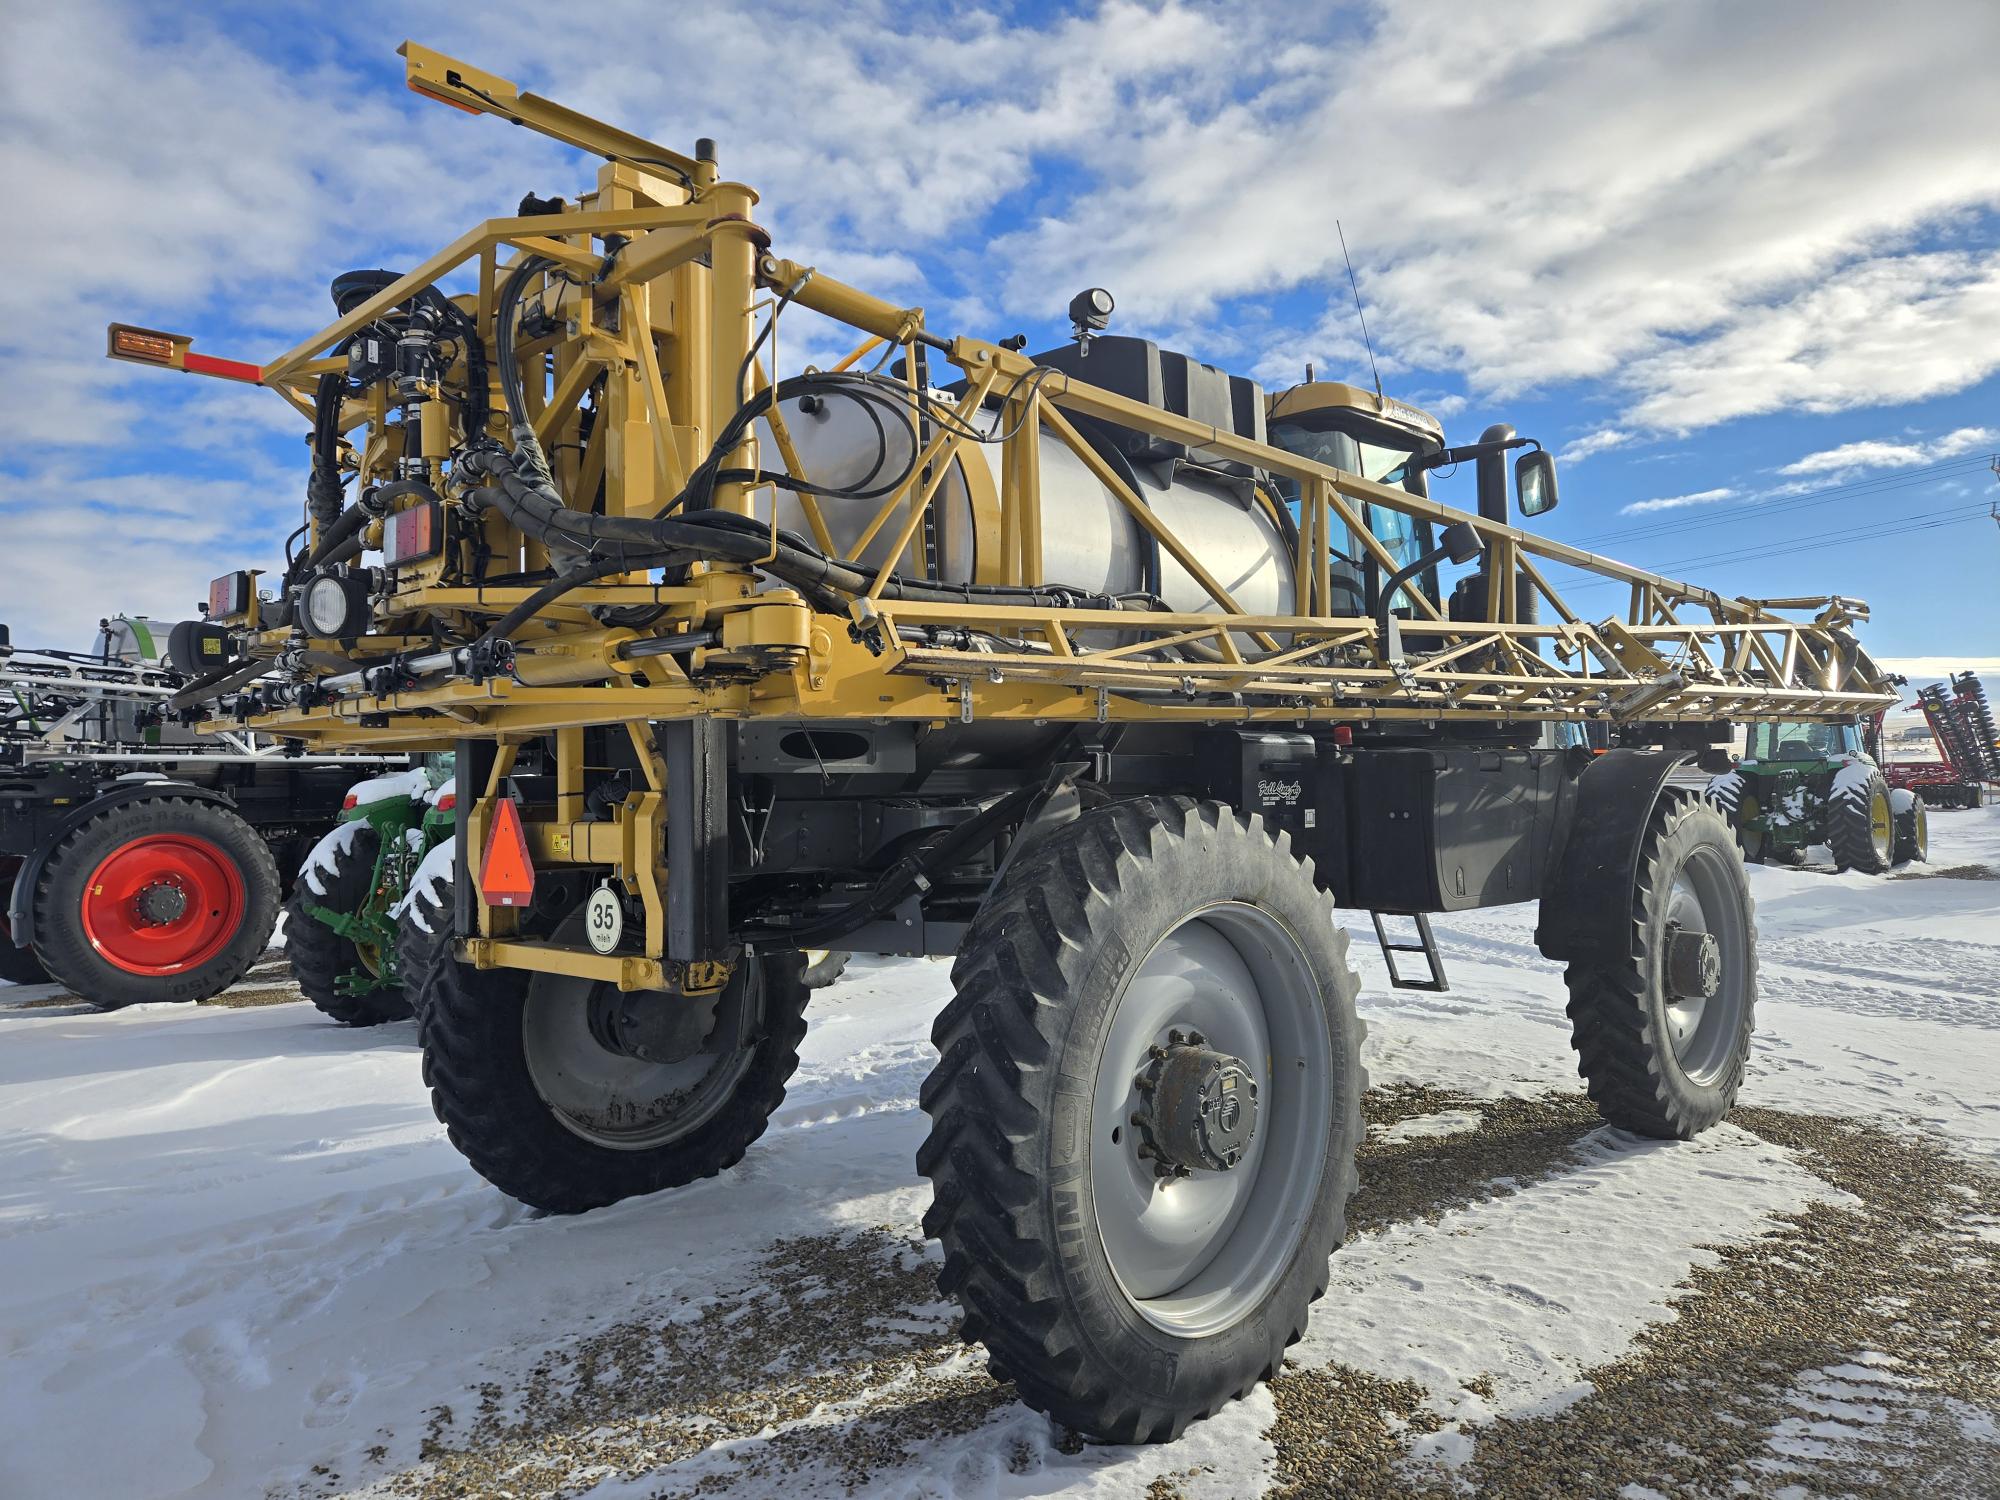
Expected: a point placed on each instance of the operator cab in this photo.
(1358, 432)
(1810, 742)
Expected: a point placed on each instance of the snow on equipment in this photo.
(1802, 784)
(143, 861)
(1101, 669)
(341, 929)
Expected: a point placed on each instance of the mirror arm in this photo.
(1445, 457)
(1460, 545)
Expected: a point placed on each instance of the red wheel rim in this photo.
(162, 904)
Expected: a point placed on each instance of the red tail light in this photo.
(447, 802)
(350, 801)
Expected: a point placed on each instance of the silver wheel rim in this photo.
(1703, 1029)
(610, 1099)
(1195, 1255)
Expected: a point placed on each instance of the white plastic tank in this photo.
(1089, 540)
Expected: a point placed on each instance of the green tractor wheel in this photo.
(1913, 828)
(339, 973)
(1860, 826)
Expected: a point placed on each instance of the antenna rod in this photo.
(1366, 342)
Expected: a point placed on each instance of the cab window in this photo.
(1405, 538)
(1803, 741)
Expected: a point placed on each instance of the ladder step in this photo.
(1435, 981)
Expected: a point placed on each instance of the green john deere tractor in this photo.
(341, 922)
(360, 915)
(1804, 784)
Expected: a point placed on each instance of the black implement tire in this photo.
(200, 855)
(1913, 833)
(1034, 1166)
(481, 1067)
(321, 957)
(1658, 1064)
(17, 965)
(1860, 828)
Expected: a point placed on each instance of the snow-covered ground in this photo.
(238, 1257)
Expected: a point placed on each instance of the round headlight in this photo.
(336, 606)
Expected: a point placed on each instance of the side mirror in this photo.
(1535, 482)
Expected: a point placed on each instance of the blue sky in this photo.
(1740, 265)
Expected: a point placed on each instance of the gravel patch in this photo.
(245, 995)
(1407, 1176)
(817, 1325)
(1854, 1351)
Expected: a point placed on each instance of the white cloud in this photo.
(1710, 207)
(1863, 455)
(1603, 440)
(1678, 502)
(1858, 457)
(1885, 330)
(81, 546)
(1930, 668)
(1705, 209)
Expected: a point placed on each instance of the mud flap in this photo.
(1586, 905)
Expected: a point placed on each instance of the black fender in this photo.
(21, 905)
(1586, 904)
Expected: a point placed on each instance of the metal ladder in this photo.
(1425, 944)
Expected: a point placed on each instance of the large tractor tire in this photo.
(1913, 826)
(17, 965)
(1733, 797)
(160, 899)
(541, 1084)
(1144, 1115)
(1861, 827)
(423, 926)
(1662, 1032)
(332, 969)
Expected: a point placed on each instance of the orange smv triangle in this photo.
(506, 873)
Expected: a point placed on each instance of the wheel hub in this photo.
(161, 903)
(1200, 1110)
(1694, 964)
(652, 1026)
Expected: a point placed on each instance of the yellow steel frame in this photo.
(660, 321)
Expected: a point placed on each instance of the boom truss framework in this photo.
(652, 307)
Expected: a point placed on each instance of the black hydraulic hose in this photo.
(521, 487)
(342, 540)
(346, 525)
(324, 493)
(548, 593)
(473, 347)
